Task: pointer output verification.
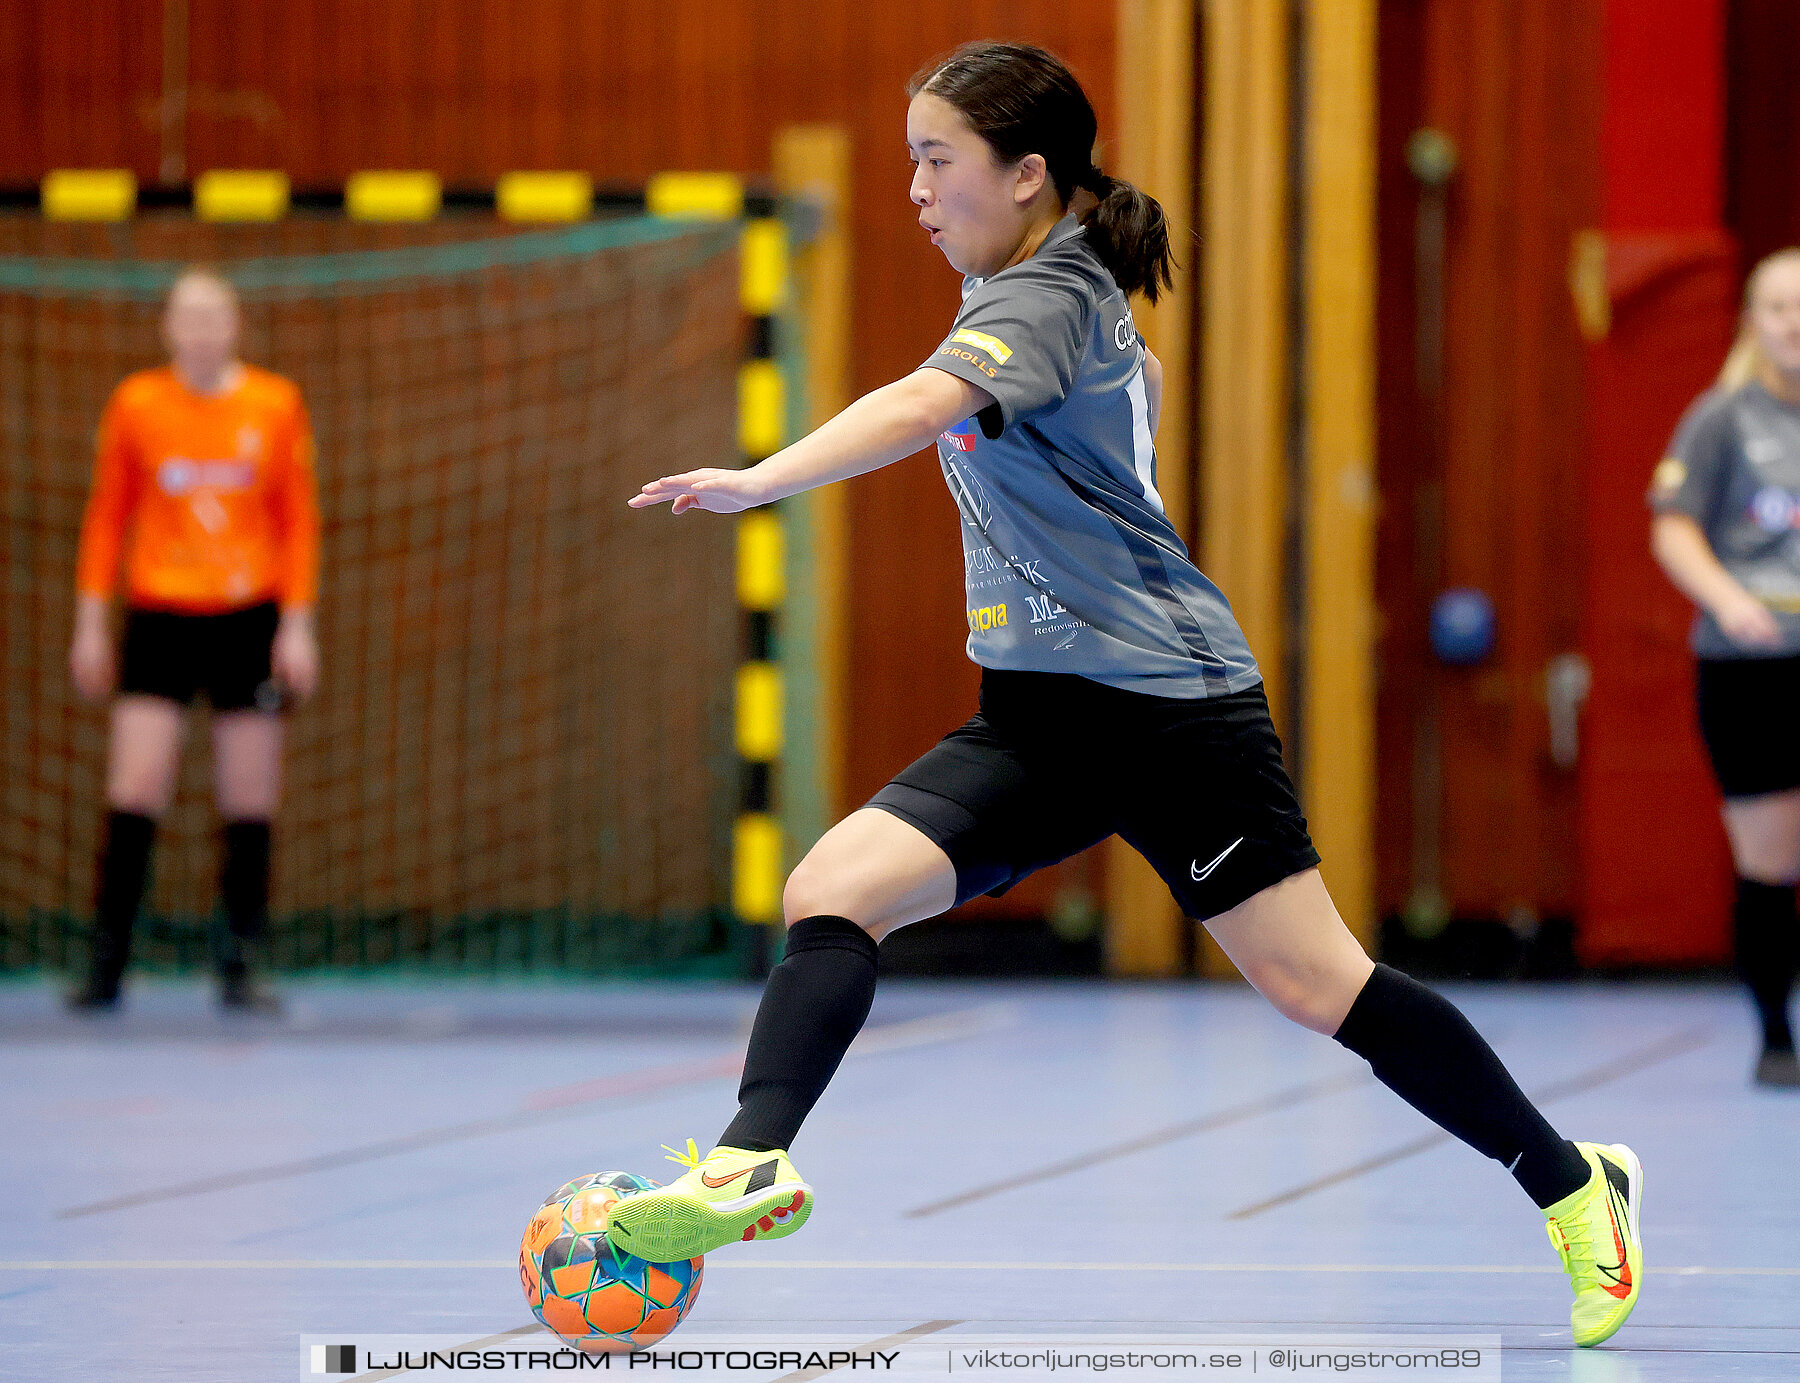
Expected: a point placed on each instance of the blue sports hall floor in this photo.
(187, 1195)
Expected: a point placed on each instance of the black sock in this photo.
(123, 866)
(1767, 943)
(244, 890)
(812, 1009)
(1424, 1050)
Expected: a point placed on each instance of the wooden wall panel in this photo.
(1158, 129)
(79, 85)
(471, 88)
(1244, 346)
(1401, 442)
(1516, 87)
(1337, 761)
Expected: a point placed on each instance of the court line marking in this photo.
(643, 1081)
(835, 1265)
(889, 1037)
(548, 1105)
(1205, 1123)
(1677, 1044)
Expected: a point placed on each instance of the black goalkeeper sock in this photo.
(1767, 943)
(123, 867)
(244, 890)
(1424, 1050)
(812, 1008)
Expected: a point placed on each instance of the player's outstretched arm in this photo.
(878, 429)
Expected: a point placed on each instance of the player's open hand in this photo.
(716, 491)
(1748, 623)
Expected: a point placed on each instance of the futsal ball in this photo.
(581, 1287)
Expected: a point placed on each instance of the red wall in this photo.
(1662, 131)
(1655, 867)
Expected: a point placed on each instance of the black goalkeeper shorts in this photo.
(178, 656)
(1053, 763)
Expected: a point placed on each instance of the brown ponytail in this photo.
(1130, 235)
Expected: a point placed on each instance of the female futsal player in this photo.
(1117, 692)
(1727, 502)
(204, 484)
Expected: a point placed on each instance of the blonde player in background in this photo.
(1727, 532)
(203, 487)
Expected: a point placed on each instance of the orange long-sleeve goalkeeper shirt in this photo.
(210, 499)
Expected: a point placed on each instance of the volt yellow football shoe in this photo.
(1595, 1231)
(729, 1195)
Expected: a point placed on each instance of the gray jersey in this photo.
(1069, 561)
(1734, 468)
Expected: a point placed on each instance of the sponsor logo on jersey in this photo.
(178, 475)
(1671, 474)
(986, 618)
(1763, 450)
(997, 349)
(1774, 510)
(977, 362)
(961, 437)
(1125, 333)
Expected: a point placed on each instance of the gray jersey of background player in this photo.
(1069, 562)
(1734, 468)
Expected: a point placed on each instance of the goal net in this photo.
(521, 751)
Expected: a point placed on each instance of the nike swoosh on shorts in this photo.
(1219, 859)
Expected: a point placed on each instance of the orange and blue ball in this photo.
(594, 1297)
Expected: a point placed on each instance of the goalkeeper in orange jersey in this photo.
(204, 491)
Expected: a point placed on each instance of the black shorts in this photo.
(1750, 719)
(1053, 763)
(226, 656)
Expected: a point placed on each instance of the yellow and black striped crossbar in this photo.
(263, 194)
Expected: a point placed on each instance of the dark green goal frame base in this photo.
(554, 941)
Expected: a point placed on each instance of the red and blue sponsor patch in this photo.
(962, 436)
